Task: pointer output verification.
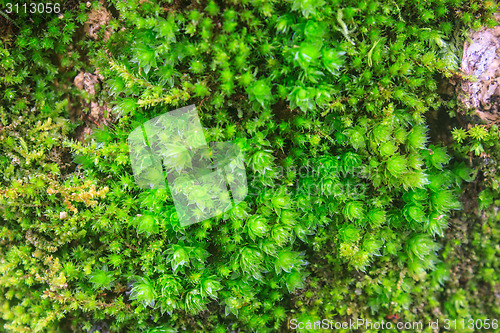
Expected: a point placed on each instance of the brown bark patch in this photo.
(96, 20)
(96, 113)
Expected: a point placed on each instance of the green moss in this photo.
(348, 207)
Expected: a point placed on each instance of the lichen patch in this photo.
(481, 58)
